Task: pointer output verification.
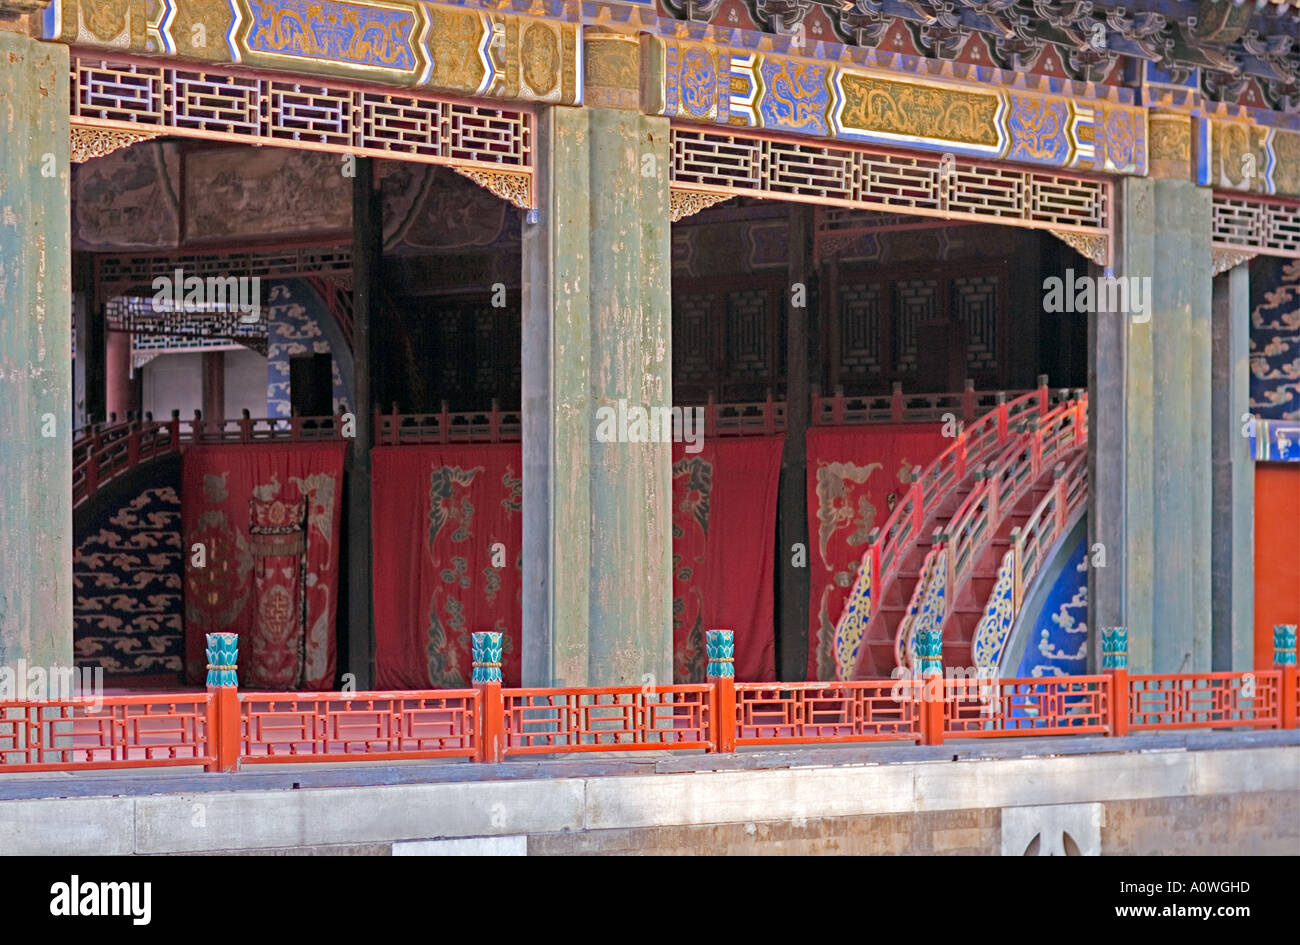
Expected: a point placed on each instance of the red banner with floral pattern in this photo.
(261, 527)
(856, 475)
(724, 538)
(448, 534)
(448, 529)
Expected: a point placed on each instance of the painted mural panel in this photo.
(128, 199)
(904, 110)
(256, 193)
(1275, 339)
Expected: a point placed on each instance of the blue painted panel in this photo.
(1275, 338)
(294, 327)
(1058, 645)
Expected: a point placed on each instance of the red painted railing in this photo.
(1063, 705)
(815, 712)
(751, 418)
(1205, 700)
(897, 407)
(619, 718)
(224, 729)
(376, 726)
(122, 732)
(474, 426)
(976, 443)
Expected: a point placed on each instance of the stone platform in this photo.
(1183, 793)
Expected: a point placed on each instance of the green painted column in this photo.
(1120, 419)
(597, 605)
(1233, 546)
(35, 355)
(1151, 494)
(1181, 283)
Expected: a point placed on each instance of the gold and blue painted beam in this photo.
(1275, 441)
(792, 95)
(1238, 155)
(559, 50)
(404, 43)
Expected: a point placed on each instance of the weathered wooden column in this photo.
(366, 227)
(1119, 433)
(792, 520)
(86, 397)
(1150, 420)
(35, 356)
(597, 606)
(1233, 545)
(1181, 289)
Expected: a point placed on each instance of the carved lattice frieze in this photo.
(151, 98)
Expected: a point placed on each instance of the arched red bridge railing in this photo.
(103, 452)
(224, 728)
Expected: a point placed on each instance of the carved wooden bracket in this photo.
(89, 142)
(1225, 259)
(514, 187)
(1094, 246)
(684, 203)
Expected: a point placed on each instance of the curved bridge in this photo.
(960, 550)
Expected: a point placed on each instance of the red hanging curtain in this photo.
(724, 539)
(448, 534)
(261, 527)
(855, 477)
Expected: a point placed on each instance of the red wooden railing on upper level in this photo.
(752, 418)
(103, 452)
(897, 407)
(223, 728)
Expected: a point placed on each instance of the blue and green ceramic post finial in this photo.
(721, 647)
(1284, 644)
(223, 660)
(486, 650)
(1114, 648)
(927, 646)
